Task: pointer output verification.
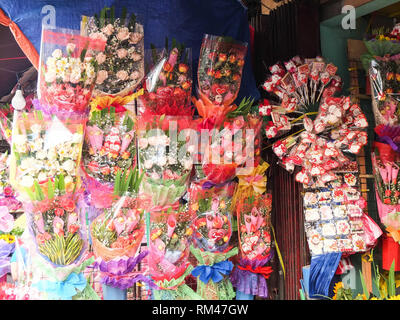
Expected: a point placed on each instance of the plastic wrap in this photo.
(7, 193)
(67, 71)
(169, 235)
(220, 69)
(165, 153)
(118, 232)
(385, 85)
(110, 139)
(334, 217)
(168, 82)
(235, 146)
(121, 65)
(43, 147)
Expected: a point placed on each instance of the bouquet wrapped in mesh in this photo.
(212, 231)
(121, 64)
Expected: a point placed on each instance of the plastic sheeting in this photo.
(185, 20)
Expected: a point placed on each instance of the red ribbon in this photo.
(265, 271)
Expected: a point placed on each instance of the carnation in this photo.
(122, 75)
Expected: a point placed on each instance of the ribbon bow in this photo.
(63, 289)
(214, 272)
(264, 271)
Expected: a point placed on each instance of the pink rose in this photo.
(108, 29)
(136, 56)
(100, 58)
(122, 75)
(122, 53)
(98, 36)
(71, 47)
(101, 76)
(123, 34)
(135, 75)
(135, 37)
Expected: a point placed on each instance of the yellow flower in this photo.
(337, 286)
(361, 296)
(394, 297)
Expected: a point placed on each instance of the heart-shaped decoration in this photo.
(331, 164)
(331, 152)
(317, 170)
(354, 148)
(308, 124)
(361, 121)
(302, 177)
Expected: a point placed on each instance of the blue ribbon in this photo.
(63, 289)
(214, 272)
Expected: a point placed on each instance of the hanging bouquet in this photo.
(254, 223)
(121, 64)
(321, 146)
(212, 231)
(165, 153)
(301, 84)
(110, 140)
(44, 147)
(169, 238)
(67, 72)
(7, 193)
(385, 82)
(168, 82)
(220, 69)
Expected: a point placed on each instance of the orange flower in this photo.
(186, 85)
(222, 57)
(218, 74)
(210, 72)
(183, 68)
(232, 58)
(240, 62)
(236, 77)
(167, 67)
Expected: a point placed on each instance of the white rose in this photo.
(19, 139)
(77, 138)
(162, 161)
(153, 141)
(57, 54)
(187, 164)
(148, 164)
(50, 76)
(36, 128)
(26, 181)
(71, 47)
(41, 154)
(27, 163)
(42, 176)
(52, 154)
(68, 165)
(171, 160)
(68, 180)
(143, 143)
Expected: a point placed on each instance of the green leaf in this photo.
(61, 184)
(123, 16)
(391, 281)
(112, 14)
(50, 189)
(364, 286)
(166, 44)
(132, 21)
(117, 183)
(30, 193)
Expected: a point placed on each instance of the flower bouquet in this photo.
(7, 194)
(67, 72)
(212, 230)
(254, 221)
(110, 139)
(118, 233)
(165, 152)
(168, 82)
(169, 238)
(44, 147)
(301, 83)
(121, 65)
(384, 76)
(220, 69)
(235, 146)
(320, 147)
(59, 244)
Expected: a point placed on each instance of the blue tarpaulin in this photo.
(184, 20)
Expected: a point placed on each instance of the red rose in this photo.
(105, 170)
(216, 234)
(164, 92)
(387, 201)
(59, 212)
(388, 193)
(73, 228)
(8, 191)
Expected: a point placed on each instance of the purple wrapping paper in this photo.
(6, 249)
(116, 273)
(248, 282)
